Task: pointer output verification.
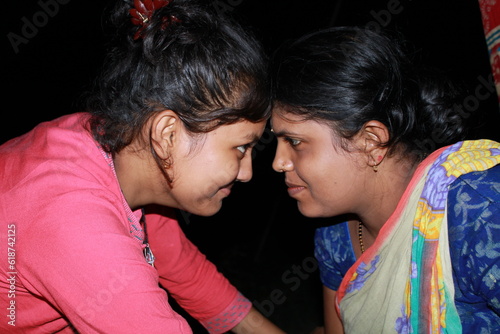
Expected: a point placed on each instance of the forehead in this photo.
(284, 122)
(243, 130)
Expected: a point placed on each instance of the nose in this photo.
(245, 173)
(282, 161)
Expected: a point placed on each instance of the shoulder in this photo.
(330, 235)
(64, 128)
(334, 253)
(473, 224)
(56, 174)
(333, 247)
(56, 152)
(475, 195)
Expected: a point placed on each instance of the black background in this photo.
(259, 240)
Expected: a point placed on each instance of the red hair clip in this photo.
(143, 11)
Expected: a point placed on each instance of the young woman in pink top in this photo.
(89, 241)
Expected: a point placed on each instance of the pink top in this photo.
(71, 249)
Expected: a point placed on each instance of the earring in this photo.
(377, 163)
(167, 163)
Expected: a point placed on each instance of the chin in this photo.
(312, 211)
(206, 211)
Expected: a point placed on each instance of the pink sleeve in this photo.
(88, 267)
(192, 280)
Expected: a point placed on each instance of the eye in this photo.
(242, 148)
(292, 142)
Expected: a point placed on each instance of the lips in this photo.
(226, 190)
(294, 189)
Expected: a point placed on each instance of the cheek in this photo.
(222, 171)
(214, 174)
(312, 170)
(325, 180)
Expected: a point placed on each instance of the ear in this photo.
(372, 138)
(164, 131)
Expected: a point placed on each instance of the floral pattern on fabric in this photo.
(334, 253)
(364, 271)
(474, 235)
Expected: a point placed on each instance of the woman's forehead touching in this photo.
(283, 122)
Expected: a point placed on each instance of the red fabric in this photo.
(193, 281)
(76, 260)
(490, 13)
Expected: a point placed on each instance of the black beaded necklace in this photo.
(360, 237)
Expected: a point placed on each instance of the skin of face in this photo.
(204, 169)
(325, 179)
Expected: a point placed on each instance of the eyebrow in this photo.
(282, 133)
(285, 133)
(252, 138)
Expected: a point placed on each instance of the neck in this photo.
(134, 169)
(384, 192)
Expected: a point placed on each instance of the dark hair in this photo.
(203, 66)
(350, 75)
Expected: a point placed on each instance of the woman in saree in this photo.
(414, 246)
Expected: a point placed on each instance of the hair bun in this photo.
(440, 120)
(143, 12)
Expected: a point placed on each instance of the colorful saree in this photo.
(403, 283)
